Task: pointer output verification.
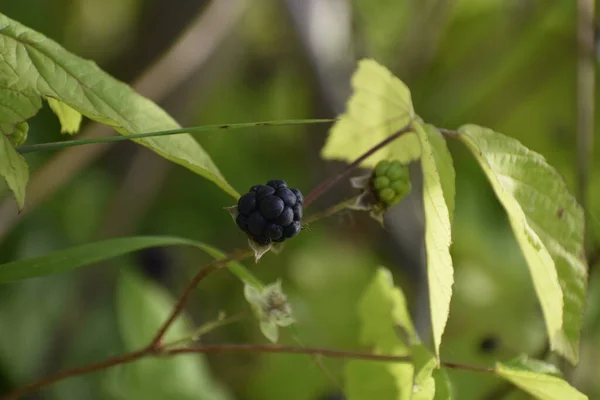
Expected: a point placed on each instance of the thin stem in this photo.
(330, 211)
(314, 351)
(195, 129)
(110, 362)
(447, 132)
(586, 67)
(249, 348)
(206, 328)
(328, 183)
(203, 273)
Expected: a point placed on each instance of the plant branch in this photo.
(68, 373)
(196, 129)
(156, 347)
(227, 348)
(447, 132)
(206, 328)
(330, 182)
(203, 273)
(250, 348)
(314, 351)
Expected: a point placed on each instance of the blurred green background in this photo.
(509, 65)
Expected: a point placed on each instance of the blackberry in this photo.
(270, 213)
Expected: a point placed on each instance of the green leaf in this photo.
(33, 67)
(548, 224)
(424, 363)
(534, 381)
(19, 135)
(443, 388)
(380, 106)
(13, 169)
(376, 380)
(142, 309)
(384, 316)
(70, 119)
(384, 322)
(75, 257)
(438, 201)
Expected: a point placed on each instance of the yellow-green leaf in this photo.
(13, 169)
(438, 201)
(541, 385)
(385, 322)
(70, 119)
(379, 106)
(424, 363)
(33, 67)
(548, 225)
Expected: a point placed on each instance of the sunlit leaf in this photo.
(385, 322)
(13, 169)
(533, 379)
(142, 308)
(438, 201)
(61, 261)
(70, 119)
(33, 67)
(548, 224)
(380, 105)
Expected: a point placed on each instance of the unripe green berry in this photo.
(382, 167)
(396, 171)
(381, 182)
(400, 186)
(387, 195)
(397, 198)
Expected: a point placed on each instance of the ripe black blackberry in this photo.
(270, 213)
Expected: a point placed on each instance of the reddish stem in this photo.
(203, 273)
(328, 183)
(67, 373)
(248, 348)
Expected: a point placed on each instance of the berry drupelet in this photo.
(270, 213)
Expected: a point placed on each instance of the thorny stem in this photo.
(328, 183)
(157, 348)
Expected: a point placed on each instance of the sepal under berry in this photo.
(384, 187)
(269, 214)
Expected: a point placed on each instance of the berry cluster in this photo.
(390, 182)
(270, 213)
